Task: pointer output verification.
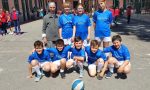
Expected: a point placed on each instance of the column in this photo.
(80, 1)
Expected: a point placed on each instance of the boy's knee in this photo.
(53, 70)
(111, 60)
(63, 61)
(34, 63)
(46, 68)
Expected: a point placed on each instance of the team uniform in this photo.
(120, 54)
(76, 52)
(58, 55)
(41, 58)
(102, 19)
(82, 22)
(65, 22)
(93, 57)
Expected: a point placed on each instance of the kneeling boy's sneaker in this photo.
(62, 74)
(37, 78)
(81, 73)
(108, 75)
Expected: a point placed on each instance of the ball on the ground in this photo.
(78, 85)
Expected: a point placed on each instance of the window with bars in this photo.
(5, 5)
(16, 4)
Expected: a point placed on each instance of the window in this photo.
(16, 4)
(5, 5)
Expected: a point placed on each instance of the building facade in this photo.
(29, 8)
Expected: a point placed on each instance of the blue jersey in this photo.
(82, 22)
(45, 56)
(65, 22)
(77, 52)
(59, 54)
(120, 54)
(102, 19)
(93, 57)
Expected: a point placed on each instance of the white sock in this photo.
(80, 66)
(61, 70)
(99, 67)
(111, 68)
(37, 69)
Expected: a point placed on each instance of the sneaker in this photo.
(123, 76)
(42, 73)
(62, 74)
(108, 75)
(37, 78)
(81, 74)
(118, 75)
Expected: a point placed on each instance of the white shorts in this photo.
(43, 63)
(104, 39)
(67, 41)
(119, 63)
(92, 66)
(57, 62)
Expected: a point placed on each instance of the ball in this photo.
(78, 85)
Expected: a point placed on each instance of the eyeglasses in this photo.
(52, 7)
(67, 8)
(80, 8)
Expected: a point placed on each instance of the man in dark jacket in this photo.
(50, 27)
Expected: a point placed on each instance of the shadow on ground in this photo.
(136, 27)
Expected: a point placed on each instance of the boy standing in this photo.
(40, 58)
(95, 58)
(120, 58)
(77, 55)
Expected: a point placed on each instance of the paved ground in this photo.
(14, 51)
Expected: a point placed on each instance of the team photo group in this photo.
(67, 45)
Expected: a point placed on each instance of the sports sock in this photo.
(37, 69)
(99, 67)
(80, 64)
(111, 68)
(61, 70)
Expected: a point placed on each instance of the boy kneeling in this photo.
(120, 58)
(40, 58)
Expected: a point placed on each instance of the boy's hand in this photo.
(72, 39)
(88, 38)
(30, 76)
(32, 51)
(45, 40)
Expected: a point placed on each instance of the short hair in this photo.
(79, 5)
(60, 42)
(94, 43)
(38, 43)
(77, 39)
(101, 0)
(116, 37)
(66, 5)
(51, 3)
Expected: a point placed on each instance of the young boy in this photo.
(95, 58)
(40, 58)
(120, 58)
(60, 57)
(77, 56)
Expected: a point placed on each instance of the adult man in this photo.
(50, 29)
